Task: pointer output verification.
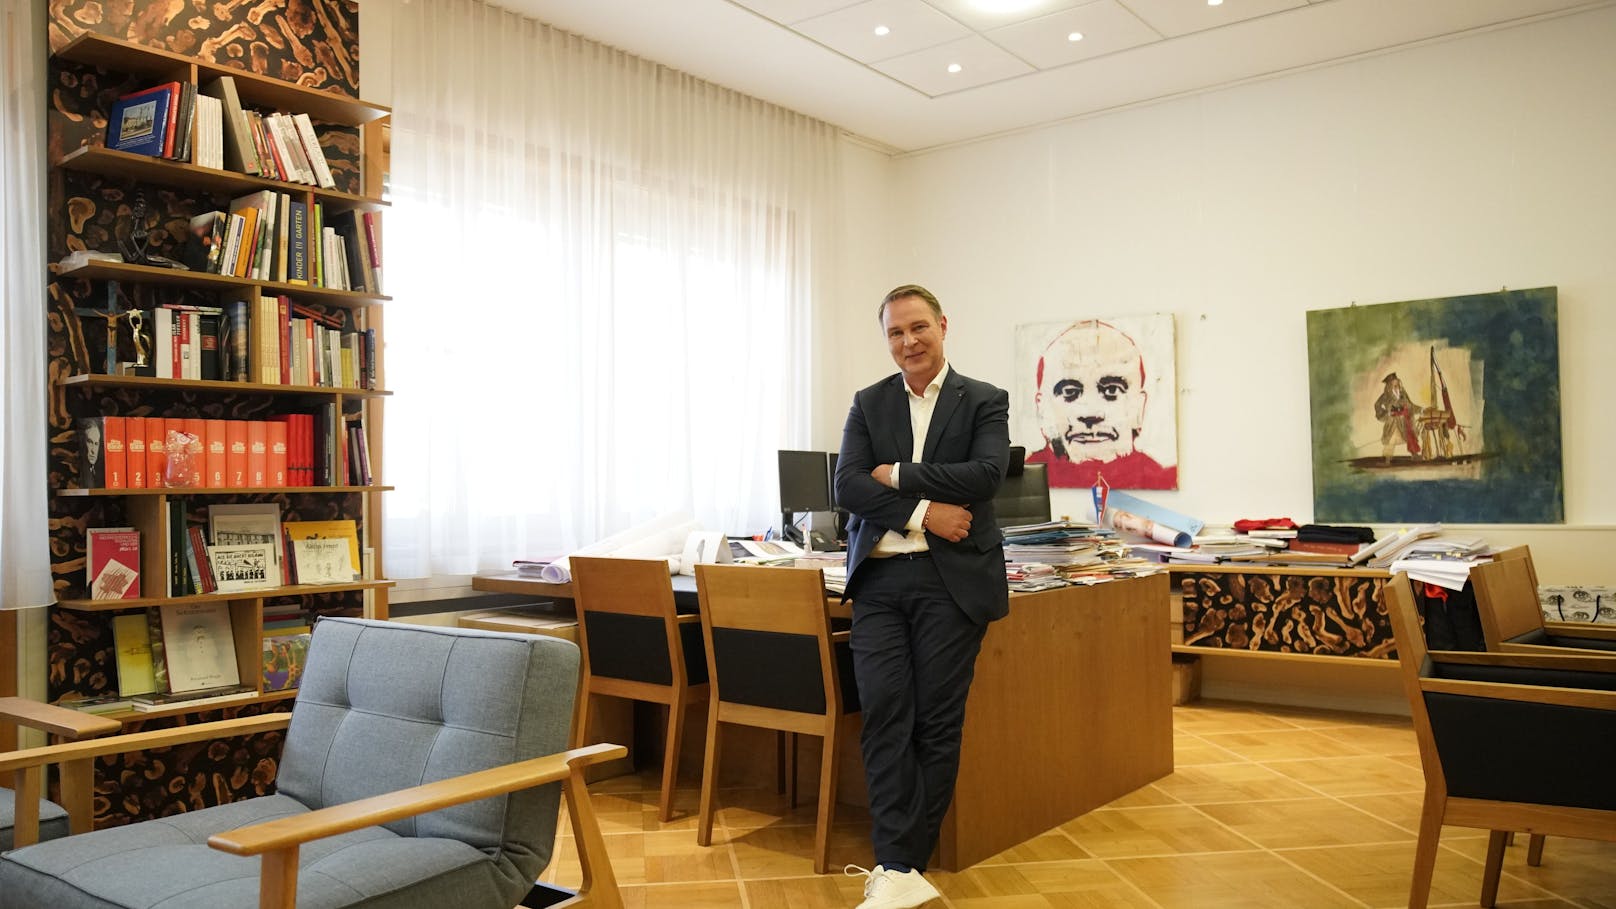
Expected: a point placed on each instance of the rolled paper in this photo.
(1152, 530)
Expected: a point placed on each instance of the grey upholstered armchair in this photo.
(421, 767)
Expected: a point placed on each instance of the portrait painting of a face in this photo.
(1097, 398)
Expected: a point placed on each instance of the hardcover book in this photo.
(132, 639)
(284, 658)
(235, 525)
(199, 646)
(346, 531)
(244, 567)
(139, 123)
(112, 559)
(92, 453)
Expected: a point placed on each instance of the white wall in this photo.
(1458, 167)
(846, 334)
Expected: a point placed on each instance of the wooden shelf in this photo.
(94, 159)
(1323, 571)
(151, 274)
(1382, 663)
(136, 716)
(91, 380)
(216, 491)
(267, 593)
(254, 90)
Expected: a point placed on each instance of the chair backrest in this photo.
(385, 706)
(1023, 497)
(1506, 598)
(768, 639)
(1412, 656)
(628, 625)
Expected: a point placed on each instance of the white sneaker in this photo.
(885, 889)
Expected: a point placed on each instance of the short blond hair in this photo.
(908, 290)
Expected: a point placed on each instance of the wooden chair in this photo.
(1507, 742)
(1511, 616)
(413, 772)
(1512, 619)
(637, 646)
(776, 665)
(25, 816)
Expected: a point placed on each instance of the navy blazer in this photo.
(963, 462)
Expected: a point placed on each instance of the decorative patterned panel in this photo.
(1287, 613)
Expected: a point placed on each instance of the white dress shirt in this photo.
(921, 407)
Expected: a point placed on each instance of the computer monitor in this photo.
(1023, 498)
(804, 481)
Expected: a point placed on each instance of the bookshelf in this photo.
(89, 207)
(191, 280)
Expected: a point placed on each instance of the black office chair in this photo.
(1023, 498)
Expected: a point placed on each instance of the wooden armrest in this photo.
(841, 637)
(1533, 694)
(1581, 630)
(139, 741)
(56, 720)
(302, 828)
(1538, 658)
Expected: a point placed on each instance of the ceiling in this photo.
(945, 71)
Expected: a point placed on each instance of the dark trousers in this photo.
(914, 654)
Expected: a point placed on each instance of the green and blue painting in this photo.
(1438, 410)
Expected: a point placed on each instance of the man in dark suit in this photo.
(922, 455)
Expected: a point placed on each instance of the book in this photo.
(242, 524)
(257, 454)
(199, 646)
(216, 449)
(112, 563)
(139, 123)
(99, 706)
(156, 455)
(218, 695)
(284, 658)
(196, 550)
(244, 567)
(322, 561)
(344, 531)
(132, 640)
(239, 152)
(311, 146)
(92, 454)
(205, 243)
(135, 451)
(154, 633)
(1389, 547)
(1321, 547)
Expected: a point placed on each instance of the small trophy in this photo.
(141, 365)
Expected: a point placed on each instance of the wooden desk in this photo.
(1071, 708)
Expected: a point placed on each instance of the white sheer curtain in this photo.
(602, 271)
(25, 578)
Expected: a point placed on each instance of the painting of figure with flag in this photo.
(1437, 410)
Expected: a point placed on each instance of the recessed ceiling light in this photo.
(1075, 36)
(954, 67)
(1214, 2)
(882, 31)
(1005, 6)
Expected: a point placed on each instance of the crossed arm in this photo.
(973, 480)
